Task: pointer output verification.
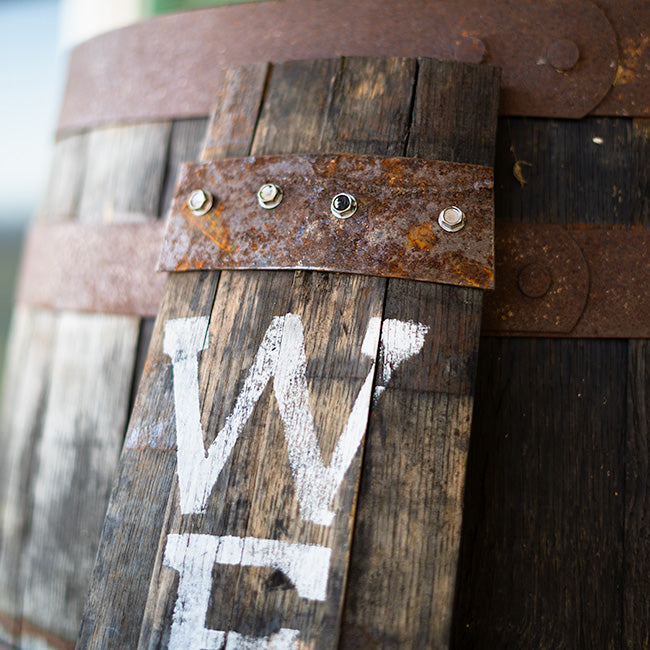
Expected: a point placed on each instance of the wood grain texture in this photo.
(25, 390)
(554, 553)
(88, 399)
(407, 531)
(115, 608)
(24, 397)
(636, 604)
(335, 311)
(353, 105)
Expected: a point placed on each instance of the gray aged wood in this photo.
(25, 395)
(68, 391)
(353, 105)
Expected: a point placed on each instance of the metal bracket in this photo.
(570, 281)
(402, 226)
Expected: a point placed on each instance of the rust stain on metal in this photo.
(573, 281)
(578, 281)
(173, 66)
(630, 92)
(394, 232)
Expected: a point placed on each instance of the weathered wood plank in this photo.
(544, 544)
(24, 397)
(88, 399)
(264, 511)
(636, 604)
(185, 144)
(25, 389)
(407, 531)
(241, 544)
(115, 608)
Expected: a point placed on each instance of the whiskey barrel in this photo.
(554, 549)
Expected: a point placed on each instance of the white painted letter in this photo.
(197, 468)
(193, 556)
(317, 483)
(281, 355)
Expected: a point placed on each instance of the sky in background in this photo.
(32, 75)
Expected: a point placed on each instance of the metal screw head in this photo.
(452, 219)
(562, 54)
(269, 196)
(200, 202)
(343, 205)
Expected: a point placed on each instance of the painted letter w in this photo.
(281, 356)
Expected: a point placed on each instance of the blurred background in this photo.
(35, 38)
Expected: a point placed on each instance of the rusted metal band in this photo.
(570, 281)
(94, 268)
(552, 281)
(559, 57)
(393, 233)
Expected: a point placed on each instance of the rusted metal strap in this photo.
(560, 58)
(95, 268)
(551, 280)
(570, 281)
(395, 231)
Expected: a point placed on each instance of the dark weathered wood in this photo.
(553, 551)
(115, 607)
(407, 531)
(636, 605)
(193, 598)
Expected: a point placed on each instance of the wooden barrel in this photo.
(554, 541)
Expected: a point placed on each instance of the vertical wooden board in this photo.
(332, 307)
(125, 172)
(543, 533)
(114, 610)
(185, 144)
(123, 180)
(66, 178)
(24, 395)
(636, 615)
(236, 110)
(115, 603)
(25, 392)
(545, 497)
(85, 416)
(407, 532)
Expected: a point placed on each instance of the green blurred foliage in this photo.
(155, 7)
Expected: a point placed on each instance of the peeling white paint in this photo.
(193, 556)
(400, 340)
(281, 356)
(197, 468)
(283, 639)
(317, 483)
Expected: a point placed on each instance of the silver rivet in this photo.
(200, 202)
(452, 219)
(343, 205)
(269, 196)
